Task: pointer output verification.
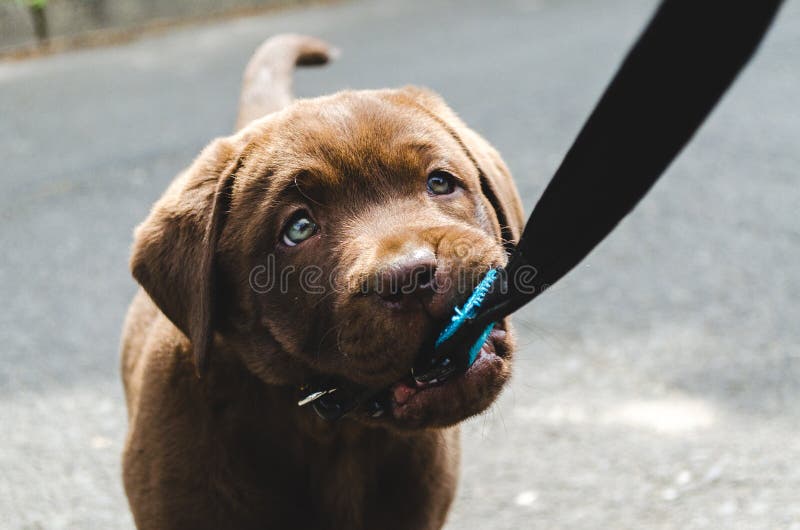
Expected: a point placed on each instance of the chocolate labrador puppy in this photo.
(328, 237)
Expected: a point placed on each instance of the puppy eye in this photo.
(299, 228)
(441, 183)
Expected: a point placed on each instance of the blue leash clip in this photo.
(469, 310)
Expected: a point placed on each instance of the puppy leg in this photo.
(267, 81)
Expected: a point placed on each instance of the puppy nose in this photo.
(406, 280)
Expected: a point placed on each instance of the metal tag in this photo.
(314, 396)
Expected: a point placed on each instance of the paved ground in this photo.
(658, 386)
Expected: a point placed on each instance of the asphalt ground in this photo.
(656, 386)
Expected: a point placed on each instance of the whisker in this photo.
(321, 340)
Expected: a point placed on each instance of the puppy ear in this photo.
(496, 182)
(174, 248)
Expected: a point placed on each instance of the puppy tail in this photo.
(267, 80)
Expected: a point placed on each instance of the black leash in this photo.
(677, 71)
(681, 65)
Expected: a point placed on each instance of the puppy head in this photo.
(335, 238)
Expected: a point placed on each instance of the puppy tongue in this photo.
(401, 392)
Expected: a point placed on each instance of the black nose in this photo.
(404, 282)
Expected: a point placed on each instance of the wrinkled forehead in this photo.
(357, 143)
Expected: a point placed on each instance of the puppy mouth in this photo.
(412, 403)
(458, 395)
(452, 397)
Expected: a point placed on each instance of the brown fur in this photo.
(212, 364)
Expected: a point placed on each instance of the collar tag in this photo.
(310, 398)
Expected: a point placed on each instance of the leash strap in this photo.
(681, 65)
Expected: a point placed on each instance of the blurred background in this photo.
(656, 386)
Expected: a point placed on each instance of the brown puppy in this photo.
(276, 258)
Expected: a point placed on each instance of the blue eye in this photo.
(298, 229)
(441, 183)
